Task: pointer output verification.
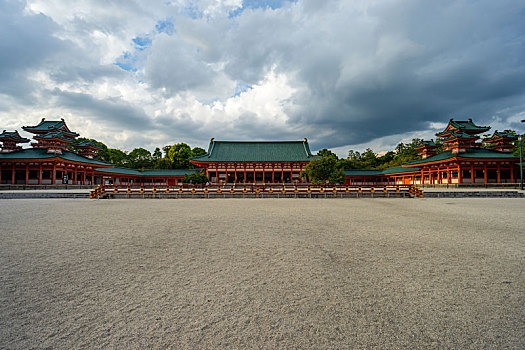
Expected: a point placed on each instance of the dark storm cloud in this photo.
(460, 62)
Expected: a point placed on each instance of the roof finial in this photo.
(305, 139)
(213, 138)
(470, 120)
(43, 118)
(62, 119)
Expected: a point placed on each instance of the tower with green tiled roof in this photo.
(53, 142)
(427, 148)
(461, 135)
(53, 135)
(465, 126)
(500, 141)
(88, 148)
(10, 139)
(46, 126)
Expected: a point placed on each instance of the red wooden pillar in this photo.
(75, 182)
(485, 173)
(273, 174)
(27, 174)
(216, 173)
(40, 174)
(460, 178)
(1, 167)
(54, 176)
(472, 173)
(499, 175)
(263, 174)
(512, 174)
(13, 180)
(282, 173)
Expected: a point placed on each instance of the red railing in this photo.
(105, 190)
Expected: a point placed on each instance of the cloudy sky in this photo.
(345, 74)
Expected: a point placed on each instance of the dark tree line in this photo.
(170, 157)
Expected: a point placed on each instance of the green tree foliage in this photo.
(404, 153)
(195, 178)
(110, 155)
(162, 163)
(157, 154)
(324, 170)
(326, 153)
(117, 157)
(516, 148)
(179, 155)
(369, 160)
(197, 151)
(140, 158)
(166, 150)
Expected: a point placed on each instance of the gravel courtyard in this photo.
(262, 273)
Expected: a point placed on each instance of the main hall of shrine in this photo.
(459, 156)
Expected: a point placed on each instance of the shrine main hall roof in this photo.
(256, 151)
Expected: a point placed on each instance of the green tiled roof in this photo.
(429, 144)
(54, 135)
(49, 125)
(86, 144)
(40, 153)
(464, 125)
(146, 173)
(500, 134)
(473, 153)
(257, 151)
(361, 172)
(399, 169)
(14, 135)
(459, 135)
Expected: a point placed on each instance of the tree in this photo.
(157, 154)
(179, 156)
(195, 178)
(166, 150)
(162, 163)
(140, 158)
(324, 170)
(197, 151)
(117, 157)
(326, 153)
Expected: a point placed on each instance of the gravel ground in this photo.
(262, 273)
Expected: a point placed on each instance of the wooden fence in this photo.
(257, 191)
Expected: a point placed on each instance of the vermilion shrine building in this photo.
(52, 161)
(463, 160)
(255, 162)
